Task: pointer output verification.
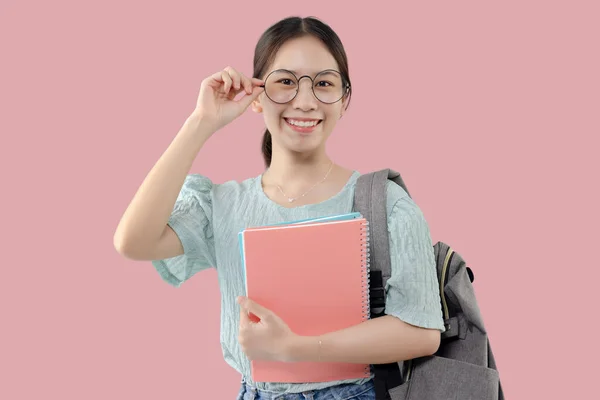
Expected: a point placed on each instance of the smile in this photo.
(302, 123)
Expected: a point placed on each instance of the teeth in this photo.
(302, 123)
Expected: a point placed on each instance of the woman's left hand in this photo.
(267, 339)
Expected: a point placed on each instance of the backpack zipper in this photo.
(445, 272)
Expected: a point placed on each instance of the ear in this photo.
(344, 105)
(256, 106)
(345, 102)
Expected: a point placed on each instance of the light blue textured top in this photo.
(207, 218)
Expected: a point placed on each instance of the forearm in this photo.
(146, 217)
(377, 341)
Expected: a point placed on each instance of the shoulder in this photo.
(201, 185)
(405, 218)
(398, 202)
(196, 183)
(203, 198)
(195, 194)
(224, 198)
(232, 190)
(398, 199)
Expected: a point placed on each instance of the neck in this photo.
(290, 168)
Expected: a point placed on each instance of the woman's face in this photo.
(304, 123)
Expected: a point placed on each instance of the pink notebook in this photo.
(315, 277)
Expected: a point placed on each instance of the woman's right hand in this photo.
(216, 104)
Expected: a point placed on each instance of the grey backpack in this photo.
(464, 366)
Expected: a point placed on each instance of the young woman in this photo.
(185, 223)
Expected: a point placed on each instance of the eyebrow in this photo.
(325, 71)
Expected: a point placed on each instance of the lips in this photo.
(303, 125)
(303, 122)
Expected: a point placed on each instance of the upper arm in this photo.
(168, 245)
(187, 244)
(413, 289)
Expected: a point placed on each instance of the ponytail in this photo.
(267, 149)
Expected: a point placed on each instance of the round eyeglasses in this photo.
(281, 86)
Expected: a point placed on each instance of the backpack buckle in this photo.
(376, 293)
(452, 329)
(377, 297)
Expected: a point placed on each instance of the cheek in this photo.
(333, 114)
(273, 112)
(274, 116)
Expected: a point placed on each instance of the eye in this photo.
(324, 84)
(286, 81)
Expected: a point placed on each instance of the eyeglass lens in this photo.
(281, 86)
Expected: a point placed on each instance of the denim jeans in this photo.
(346, 391)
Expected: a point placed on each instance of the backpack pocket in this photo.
(437, 378)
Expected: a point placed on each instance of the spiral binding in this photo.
(366, 280)
(366, 267)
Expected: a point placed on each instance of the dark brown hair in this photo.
(291, 28)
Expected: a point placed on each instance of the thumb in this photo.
(244, 318)
(253, 307)
(245, 101)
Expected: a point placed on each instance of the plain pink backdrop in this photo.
(490, 111)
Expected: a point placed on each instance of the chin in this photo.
(304, 144)
(298, 141)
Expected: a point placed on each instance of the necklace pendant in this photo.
(292, 199)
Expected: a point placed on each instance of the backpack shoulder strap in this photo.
(370, 200)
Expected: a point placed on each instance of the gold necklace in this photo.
(292, 199)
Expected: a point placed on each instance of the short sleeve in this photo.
(412, 290)
(191, 219)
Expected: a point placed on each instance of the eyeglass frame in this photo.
(312, 85)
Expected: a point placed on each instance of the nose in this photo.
(305, 99)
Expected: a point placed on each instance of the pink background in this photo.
(490, 111)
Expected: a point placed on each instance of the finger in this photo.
(244, 318)
(217, 76)
(235, 77)
(218, 79)
(247, 83)
(255, 308)
(234, 92)
(252, 315)
(215, 80)
(248, 99)
(227, 81)
(257, 82)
